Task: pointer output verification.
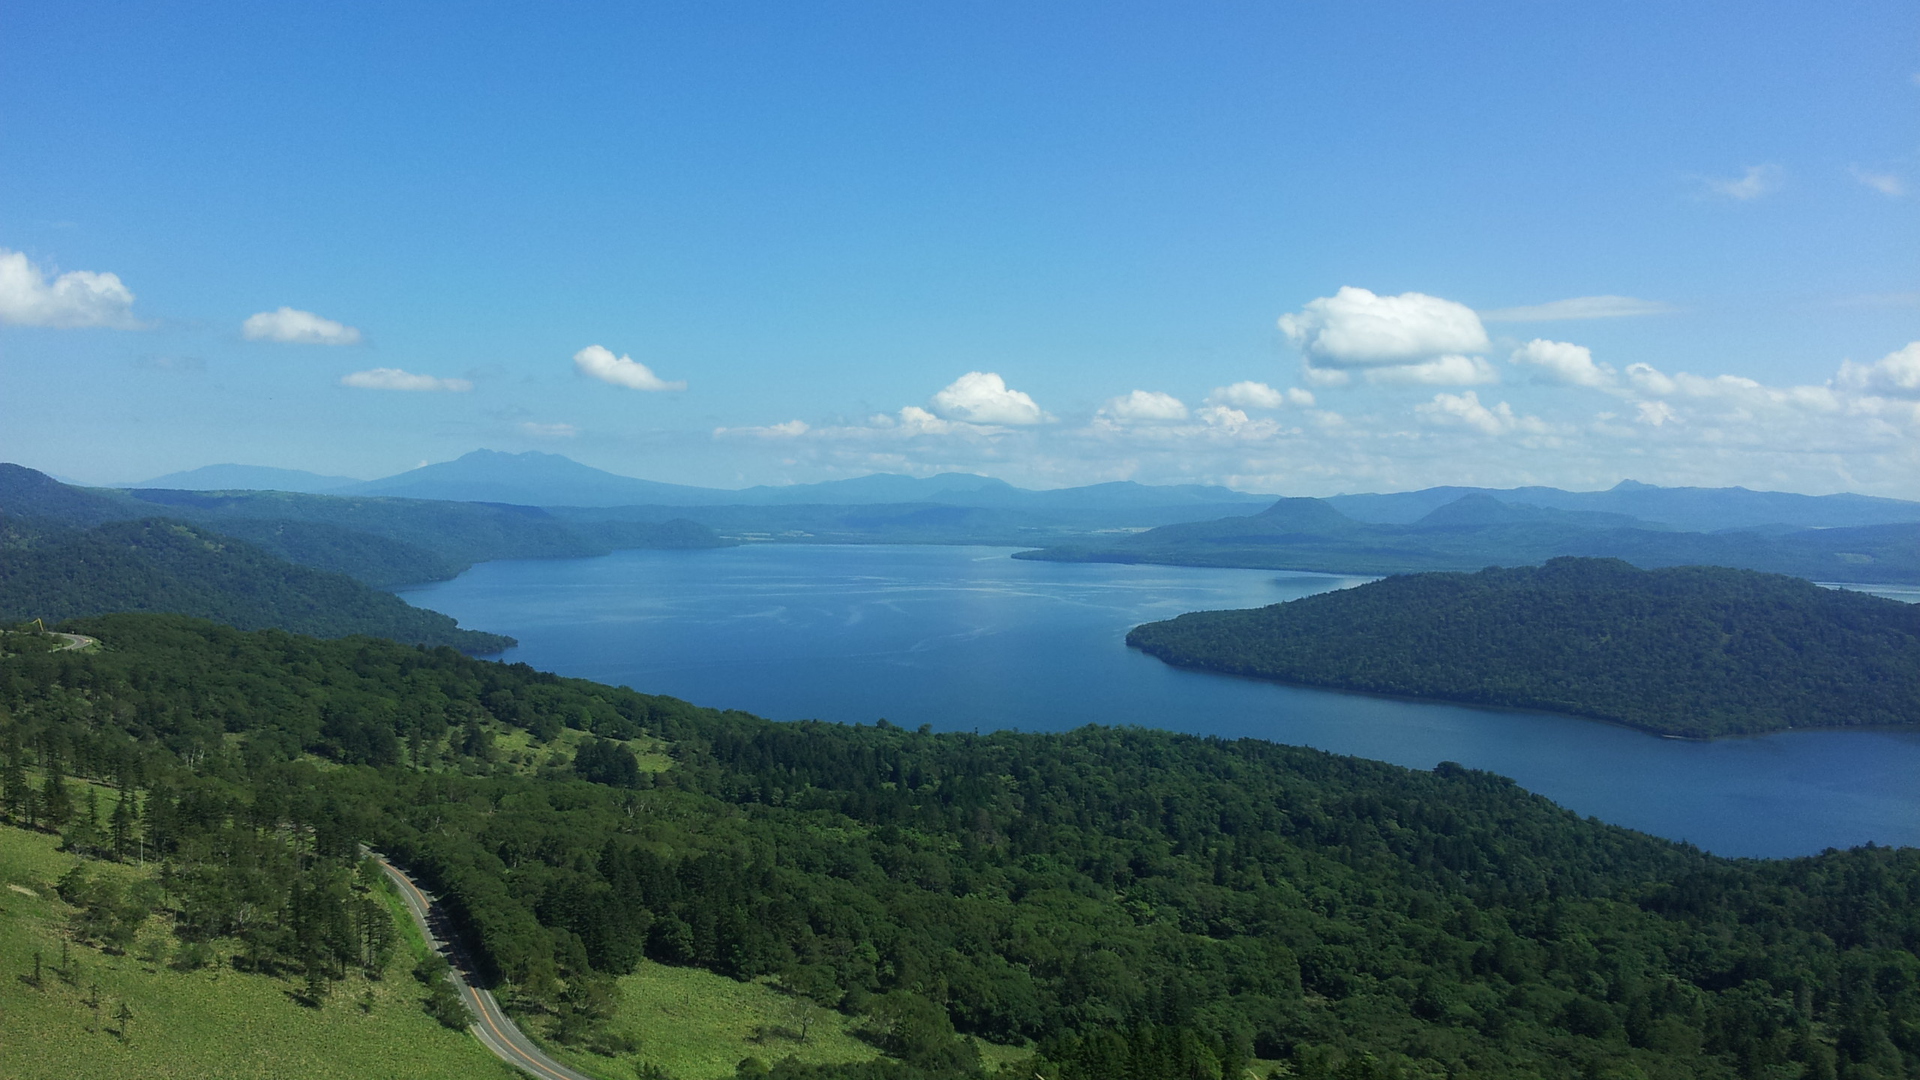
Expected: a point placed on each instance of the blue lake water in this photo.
(965, 638)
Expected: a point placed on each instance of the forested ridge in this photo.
(157, 565)
(1125, 902)
(1696, 650)
(379, 541)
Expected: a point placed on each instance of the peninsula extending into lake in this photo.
(1695, 651)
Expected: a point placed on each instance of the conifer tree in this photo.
(121, 822)
(56, 805)
(15, 795)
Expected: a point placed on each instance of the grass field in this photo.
(211, 1024)
(698, 1026)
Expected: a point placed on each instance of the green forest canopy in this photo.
(1692, 650)
(158, 565)
(1125, 902)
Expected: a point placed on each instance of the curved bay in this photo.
(964, 638)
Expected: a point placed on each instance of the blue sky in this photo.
(1044, 242)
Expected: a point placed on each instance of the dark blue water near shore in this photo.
(966, 638)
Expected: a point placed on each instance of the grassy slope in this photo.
(698, 1026)
(214, 1023)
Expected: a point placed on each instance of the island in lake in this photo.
(1696, 651)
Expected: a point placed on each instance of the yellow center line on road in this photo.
(425, 907)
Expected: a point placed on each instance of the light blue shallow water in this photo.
(967, 638)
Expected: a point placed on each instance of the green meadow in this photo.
(210, 1024)
(699, 1026)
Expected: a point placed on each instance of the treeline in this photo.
(158, 565)
(1127, 903)
(1694, 650)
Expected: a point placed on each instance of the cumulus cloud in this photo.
(547, 431)
(296, 327)
(598, 362)
(1454, 370)
(1758, 180)
(1579, 307)
(1896, 374)
(390, 378)
(1885, 183)
(1465, 409)
(1355, 328)
(1648, 380)
(75, 298)
(1258, 395)
(982, 397)
(1146, 405)
(1564, 362)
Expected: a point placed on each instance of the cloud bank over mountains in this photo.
(1393, 391)
(1365, 424)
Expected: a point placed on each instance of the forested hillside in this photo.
(1693, 650)
(158, 565)
(379, 541)
(1128, 903)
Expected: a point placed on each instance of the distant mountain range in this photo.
(1478, 529)
(247, 478)
(553, 480)
(537, 479)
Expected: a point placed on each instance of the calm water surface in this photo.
(965, 638)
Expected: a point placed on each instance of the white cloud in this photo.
(296, 327)
(1648, 380)
(75, 298)
(1258, 395)
(1885, 183)
(1896, 374)
(1147, 405)
(547, 431)
(792, 429)
(1465, 409)
(1655, 413)
(1222, 416)
(388, 378)
(1454, 370)
(1579, 307)
(1354, 328)
(1564, 362)
(598, 362)
(982, 397)
(1758, 180)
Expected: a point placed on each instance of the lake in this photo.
(965, 638)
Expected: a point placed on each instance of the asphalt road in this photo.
(74, 641)
(491, 1026)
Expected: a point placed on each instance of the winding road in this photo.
(491, 1026)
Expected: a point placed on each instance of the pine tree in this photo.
(121, 822)
(15, 795)
(56, 805)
